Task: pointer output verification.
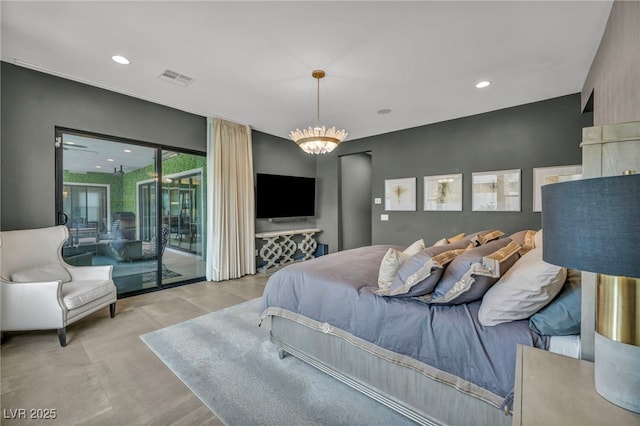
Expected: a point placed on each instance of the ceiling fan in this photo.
(68, 146)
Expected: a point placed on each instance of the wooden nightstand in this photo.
(553, 389)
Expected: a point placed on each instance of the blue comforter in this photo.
(338, 289)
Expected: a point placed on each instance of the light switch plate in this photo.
(384, 217)
(377, 201)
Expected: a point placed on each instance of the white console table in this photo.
(279, 247)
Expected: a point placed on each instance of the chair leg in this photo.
(62, 336)
(112, 309)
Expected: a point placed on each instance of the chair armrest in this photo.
(32, 305)
(85, 273)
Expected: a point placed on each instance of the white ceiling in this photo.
(251, 61)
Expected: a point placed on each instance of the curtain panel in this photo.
(230, 198)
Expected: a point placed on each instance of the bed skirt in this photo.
(410, 389)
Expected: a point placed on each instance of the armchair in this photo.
(39, 291)
(149, 250)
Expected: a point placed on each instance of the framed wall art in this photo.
(546, 175)
(497, 191)
(400, 194)
(443, 192)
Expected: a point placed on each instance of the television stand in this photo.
(279, 248)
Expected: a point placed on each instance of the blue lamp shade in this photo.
(593, 225)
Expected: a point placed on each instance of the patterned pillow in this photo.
(471, 274)
(445, 241)
(419, 274)
(483, 237)
(525, 239)
(393, 260)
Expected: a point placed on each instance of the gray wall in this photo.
(34, 103)
(540, 134)
(614, 77)
(279, 156)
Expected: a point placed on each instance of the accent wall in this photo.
(540, 134)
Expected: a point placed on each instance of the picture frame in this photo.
(400, 194)
(443, 192)
(498, 190)
(546, 175)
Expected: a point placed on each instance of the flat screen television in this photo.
(279, 196)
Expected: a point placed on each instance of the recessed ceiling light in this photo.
(98, 167)
(110, 159)
(384, 111)
(121, 60)
(483, 84)
(127, 150)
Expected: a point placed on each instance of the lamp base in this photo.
(617, 372)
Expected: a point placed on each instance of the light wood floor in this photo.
(106, 375)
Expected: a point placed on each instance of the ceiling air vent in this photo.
(175, 78)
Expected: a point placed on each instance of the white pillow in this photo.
(537, 239)
(44, 273)
(393, 260)
(523, 290)
(442, 242)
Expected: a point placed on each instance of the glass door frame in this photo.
(167, 188)
(61, 219)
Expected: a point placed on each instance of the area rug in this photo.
(166, 274)
(230, 364)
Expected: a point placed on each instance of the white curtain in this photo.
(230, 201)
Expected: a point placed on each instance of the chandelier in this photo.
(318, 140)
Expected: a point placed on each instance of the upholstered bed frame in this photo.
(393, 380)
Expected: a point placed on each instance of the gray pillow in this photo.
(472, 273)
(419, 274)
(562, 316)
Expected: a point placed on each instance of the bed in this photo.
(421, 354)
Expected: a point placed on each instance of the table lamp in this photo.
(594, 225)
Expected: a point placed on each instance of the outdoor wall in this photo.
(34, 103)
(540, 134)
(170, 166)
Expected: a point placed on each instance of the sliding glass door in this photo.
(109, 199)
(183, 212)
(86, 205)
